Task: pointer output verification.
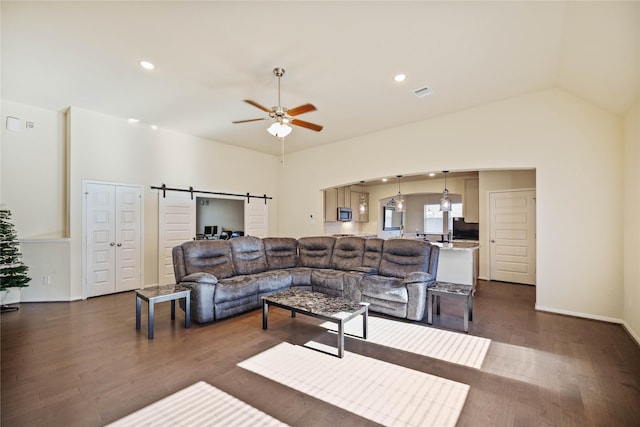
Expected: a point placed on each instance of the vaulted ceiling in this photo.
(340, 56)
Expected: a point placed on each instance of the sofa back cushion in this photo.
(209, 256)
(372, 253)
(402, 256)
(347, 253)
(248, 255)
(315, 251)
(281, 252)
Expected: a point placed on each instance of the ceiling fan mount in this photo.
(282, 114)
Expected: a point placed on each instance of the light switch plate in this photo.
(13, 123)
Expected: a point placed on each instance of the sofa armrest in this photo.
(418, 277)
(202, 309)
(417, 300)
(201, 278)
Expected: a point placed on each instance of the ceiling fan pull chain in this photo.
(282, 152)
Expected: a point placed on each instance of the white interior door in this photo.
(128, 207)
(256, 218)
(512, 236)
(100, 236)
(113, 238)
(176, 224)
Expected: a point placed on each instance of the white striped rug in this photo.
(382, 392)
(454, 347)
(200, 404)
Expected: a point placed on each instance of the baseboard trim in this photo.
(631, 333)
(579, 314)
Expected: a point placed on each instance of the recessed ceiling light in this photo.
(432, 174)
(147, 65)
(384, 179)
(154, 127)
(399, 77)
(134, 120)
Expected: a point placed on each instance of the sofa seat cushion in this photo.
(238, 306)
(327, 278)
(300, 276)
(384, 288)
(234, 288)
(384, 306)
(272, 281)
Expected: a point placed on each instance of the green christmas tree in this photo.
(13, 273)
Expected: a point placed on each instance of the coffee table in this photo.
(155, 294)
(316, 304)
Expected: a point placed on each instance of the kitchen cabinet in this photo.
(331, 205)
(355, 207)
(471, 200)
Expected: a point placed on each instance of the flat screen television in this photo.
(465, 230)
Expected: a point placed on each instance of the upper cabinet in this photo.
(343, 197)
(471, 200)
(331, 205)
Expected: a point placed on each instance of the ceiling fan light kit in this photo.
(283, 116)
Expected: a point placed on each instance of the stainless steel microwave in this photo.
(344, 214)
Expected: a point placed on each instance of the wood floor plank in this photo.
(83, 363)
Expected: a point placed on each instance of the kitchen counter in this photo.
(458, 262)
(460, 245)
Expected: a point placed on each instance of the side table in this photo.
(156, 294)
(453, 289)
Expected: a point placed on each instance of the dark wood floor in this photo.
(84, 364)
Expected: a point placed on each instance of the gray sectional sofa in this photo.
(228, 277)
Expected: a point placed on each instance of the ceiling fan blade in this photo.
(255, 104)
(250, 120)
(301, 109)
(307, 125)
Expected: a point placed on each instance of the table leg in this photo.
(138, 310)
(429, 307)
(466, 314)
(151, 317)
(341, 339)
(265, 313)
(438, 305)
(187, 312)
(365, 322)
(471, 307)
(173, 309)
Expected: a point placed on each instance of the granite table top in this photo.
(315, 303)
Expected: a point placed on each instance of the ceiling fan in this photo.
(282, 115)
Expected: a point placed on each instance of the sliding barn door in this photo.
(176, 225)
(256, 218)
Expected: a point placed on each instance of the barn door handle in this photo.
(119, 244)
(112, 244)
(493, 241)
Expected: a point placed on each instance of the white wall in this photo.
(34, 172)
(575, 148)
(111, 149)
(631, 225)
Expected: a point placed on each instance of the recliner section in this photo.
(229, 277)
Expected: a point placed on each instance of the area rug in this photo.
(200, 404)
(382, 392)
(453, 347)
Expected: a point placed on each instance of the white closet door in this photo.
(113, 238)
(100, 236)
(176, 224)
(128, 229)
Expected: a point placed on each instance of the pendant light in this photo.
(400, 205)
(362, 207)
(445, 202)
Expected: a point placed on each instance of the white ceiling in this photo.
(340, 56)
